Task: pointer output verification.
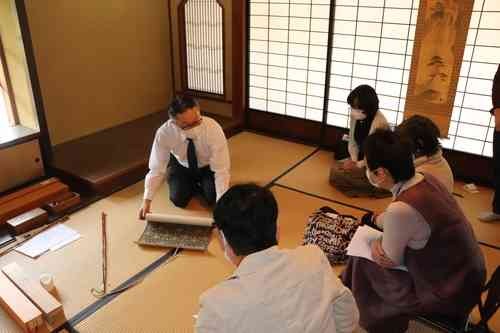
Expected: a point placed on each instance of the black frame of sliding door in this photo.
(44, 138)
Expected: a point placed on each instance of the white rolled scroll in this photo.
(180, 219)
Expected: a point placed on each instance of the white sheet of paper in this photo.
(49, 240)
(360, 244)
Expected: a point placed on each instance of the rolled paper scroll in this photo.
(180, 219)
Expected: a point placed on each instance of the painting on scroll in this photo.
(438, 54)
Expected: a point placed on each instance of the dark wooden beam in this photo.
(45, 143)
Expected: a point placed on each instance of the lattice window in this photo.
(288, 50)
(472, 126)
(372, 44)
(203, 22)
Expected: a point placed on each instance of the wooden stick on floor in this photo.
(103, 291)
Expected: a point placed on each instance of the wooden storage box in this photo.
(28, 221)
(63, 203)
(29, 198)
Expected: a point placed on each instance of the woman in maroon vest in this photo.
(425, 230)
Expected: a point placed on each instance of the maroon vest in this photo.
(449, 271)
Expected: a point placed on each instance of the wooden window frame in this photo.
(183, 55)
(7, 90)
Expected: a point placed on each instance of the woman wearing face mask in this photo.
(348, 175)
(424, 135)
(424, 230)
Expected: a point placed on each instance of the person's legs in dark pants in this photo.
(181, 183)
(207, 186)
(494, 214)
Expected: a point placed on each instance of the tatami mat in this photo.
(260, 159)
(167, 299)
(312, 177)
(77, 267)
(473, 204)
(171, 293)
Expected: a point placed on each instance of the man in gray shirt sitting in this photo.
(272, 289)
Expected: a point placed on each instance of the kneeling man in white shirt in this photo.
(196, 151)
(272, 289)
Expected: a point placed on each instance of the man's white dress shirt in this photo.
(211, 150)
(278, 290)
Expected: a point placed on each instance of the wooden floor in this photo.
(167, 298)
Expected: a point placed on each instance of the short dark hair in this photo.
(180, 105)
(247, 216)
(423, 134)
(365, 98)
(388, 150)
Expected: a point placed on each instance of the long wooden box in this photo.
(28, 221)
(24, 200)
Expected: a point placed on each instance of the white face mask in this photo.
(368, 175)
(192, 133)
(357, 114)
(226, 247)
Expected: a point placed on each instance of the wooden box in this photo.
(50, 307)
(28, 221)
(63, 203)
(18, 306)
(29, 198)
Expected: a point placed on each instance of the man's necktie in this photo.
(192, 159)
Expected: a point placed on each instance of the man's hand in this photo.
(349, 164)
(379, 255)
(145, 209)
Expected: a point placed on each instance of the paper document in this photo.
(49, 240)
(360, 244)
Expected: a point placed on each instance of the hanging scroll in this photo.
(440, 38)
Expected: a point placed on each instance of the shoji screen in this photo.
(287, 56)
(204, 46)
(372, 44)
(471, 128)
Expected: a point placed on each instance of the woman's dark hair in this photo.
(364, 98)
(180, 105)
(386, 149)
(247, 216)
(422, 133)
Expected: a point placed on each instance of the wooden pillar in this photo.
(239, 60)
